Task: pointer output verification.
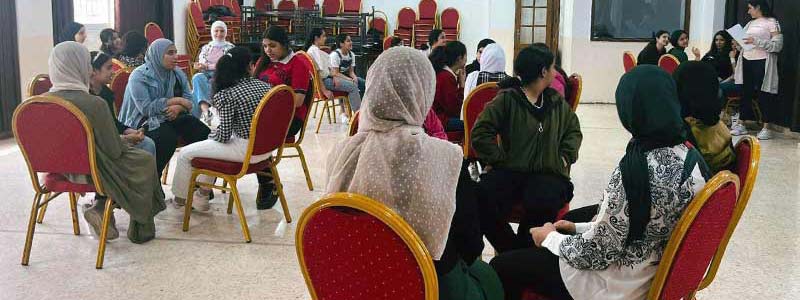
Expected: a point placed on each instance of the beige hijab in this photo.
(391, 159)
(70, 67)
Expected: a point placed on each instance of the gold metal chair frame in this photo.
(385, 215)
(234, 197)
(41, 190)
(578, 92)
(666, 57)
(34, 80)
(352, 128)
(628, 54)
(741, 203)
(328, 105)
(467, 125)
(679, 233)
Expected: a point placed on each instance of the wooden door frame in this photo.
(553, 23)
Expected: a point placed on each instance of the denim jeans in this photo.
(148, 145)
(354, 90)
(201, 90)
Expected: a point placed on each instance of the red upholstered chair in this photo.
(574, 90)
(695, 239)
(628, 61)
(351, 6)
(473, 106)
(204, 4)
(669, 63)
(306, 4)
(353, 129)
(267, 133)
(285, 23)
(450, 21)
(387, 42)
(331, 7)
(118, 84)
(426, 21)
(355, 248)
(56, 138)
(748, 155)
(197, 34)
(263, 5)
(40, 84)
(328, 105)
(152, 32)
(380, 25)
(405, 24)
(295, 141)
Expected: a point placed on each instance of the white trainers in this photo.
(344, 119)
(764, 134)
(200, 201)
(738, 129)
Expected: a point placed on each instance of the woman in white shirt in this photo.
(615, 255)
(317, 39)
(343, 71)
(757, 69)
(205, 66)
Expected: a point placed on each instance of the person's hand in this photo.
(565, 227)
(133, 138)
(173, 111)
(487, 169)
(749, 40)
(696, 52)
(328, 94)
(540, 233)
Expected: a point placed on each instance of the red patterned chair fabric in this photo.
(628, 61)
(228, 167)
(286, 5)
(387, 43)
(427, 11)
(351, 6)
(40, 84)
(474, 105)
(59, 184)
(450, 19)
(152, 32)
(379, 24)
(205, 4)
(574, 90)
(306, 4)
(118, 85)
(263, 5)
(669, 63)
(331, 7)
(53, 139)
(405, 23)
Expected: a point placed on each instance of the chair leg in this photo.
(40, 217)
(73, 206)
(314, 113)
(322, 115)
(165, 173)
(281, 196)
(101, 251)
(333, 109)
(26, 252)
(305, 167)
(240, 211)
(187, 210)
(224, 184)
(326, 110)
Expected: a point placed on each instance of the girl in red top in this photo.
(279, 65)
(448, 63)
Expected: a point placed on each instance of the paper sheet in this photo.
(738, 34)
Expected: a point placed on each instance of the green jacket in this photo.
(680, 54)
(531, 140)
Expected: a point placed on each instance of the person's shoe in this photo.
(764, 134)
(345, 120)
(200, 201)
(94, 217)
(266, 197)
(738, 129)
(177, 203)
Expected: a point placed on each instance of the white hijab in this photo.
(493, 60)
(219, 42)
(70, 67)
(391, 159)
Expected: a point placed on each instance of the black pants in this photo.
(753, 78)
(186, 127)
(536, 268)
(265, 183)
(542, 196)
(465, 240)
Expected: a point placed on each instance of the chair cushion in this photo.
(228, 167)
(59, 183)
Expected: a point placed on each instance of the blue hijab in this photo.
(154, 68)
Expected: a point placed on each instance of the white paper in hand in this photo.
(738, 34)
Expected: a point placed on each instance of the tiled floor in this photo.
(212, 261)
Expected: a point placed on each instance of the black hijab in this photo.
(69, 32)
(698, 91)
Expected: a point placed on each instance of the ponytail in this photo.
(447, 55)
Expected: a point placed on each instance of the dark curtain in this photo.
(9, 63)
(788, 14)
(133, 15)
(63, 13)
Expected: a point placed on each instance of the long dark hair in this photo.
(725, 49)
(433, 37)
(99, 59)
(273, 33)
(763, 6)
(447, 55)
(556, 58)
(107, 40)
(483, 43)
(315, 33)
(676, 36)
(340, 39)
(69, 31)
(529, 67)
(231, 68)
(135, 44)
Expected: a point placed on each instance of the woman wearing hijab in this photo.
(615, 255)
(128, 175)
(540, 137)
(680, 41)
(476, 64)
(702, 102)
(654, 49)
(74, 32)
(133, 53)
(156, 99)
(399, 94)
(492, 68)
(205, 66)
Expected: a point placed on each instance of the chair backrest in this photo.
(40, 84)
(271, 122)
(748, 155)
(473, 106)
(315, 80)
(306, 4)
(118, 84)
(196, 15)
(152, 32)
(353, 128)
(204, 4)
(351, 6)
(286, 5)
(669, 63)
(387, 43)
(695, 239)
(54, 137)
(574, 90)
(427, 10)
(235, 8)
(331, 7)
(315, 86)
(628, 61)
(263, 5)
(351, 239)
(406, 18)
(450, 18)
(117, 65)
(379, 24)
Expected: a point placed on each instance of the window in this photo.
(96, 15)
(637, 20)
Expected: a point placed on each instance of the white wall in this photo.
(35, 39)
(600, 63)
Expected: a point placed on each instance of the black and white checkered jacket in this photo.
(236, 106)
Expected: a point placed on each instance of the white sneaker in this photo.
(345, 120)
(764, 134)
(200, 202)
(738, 129)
